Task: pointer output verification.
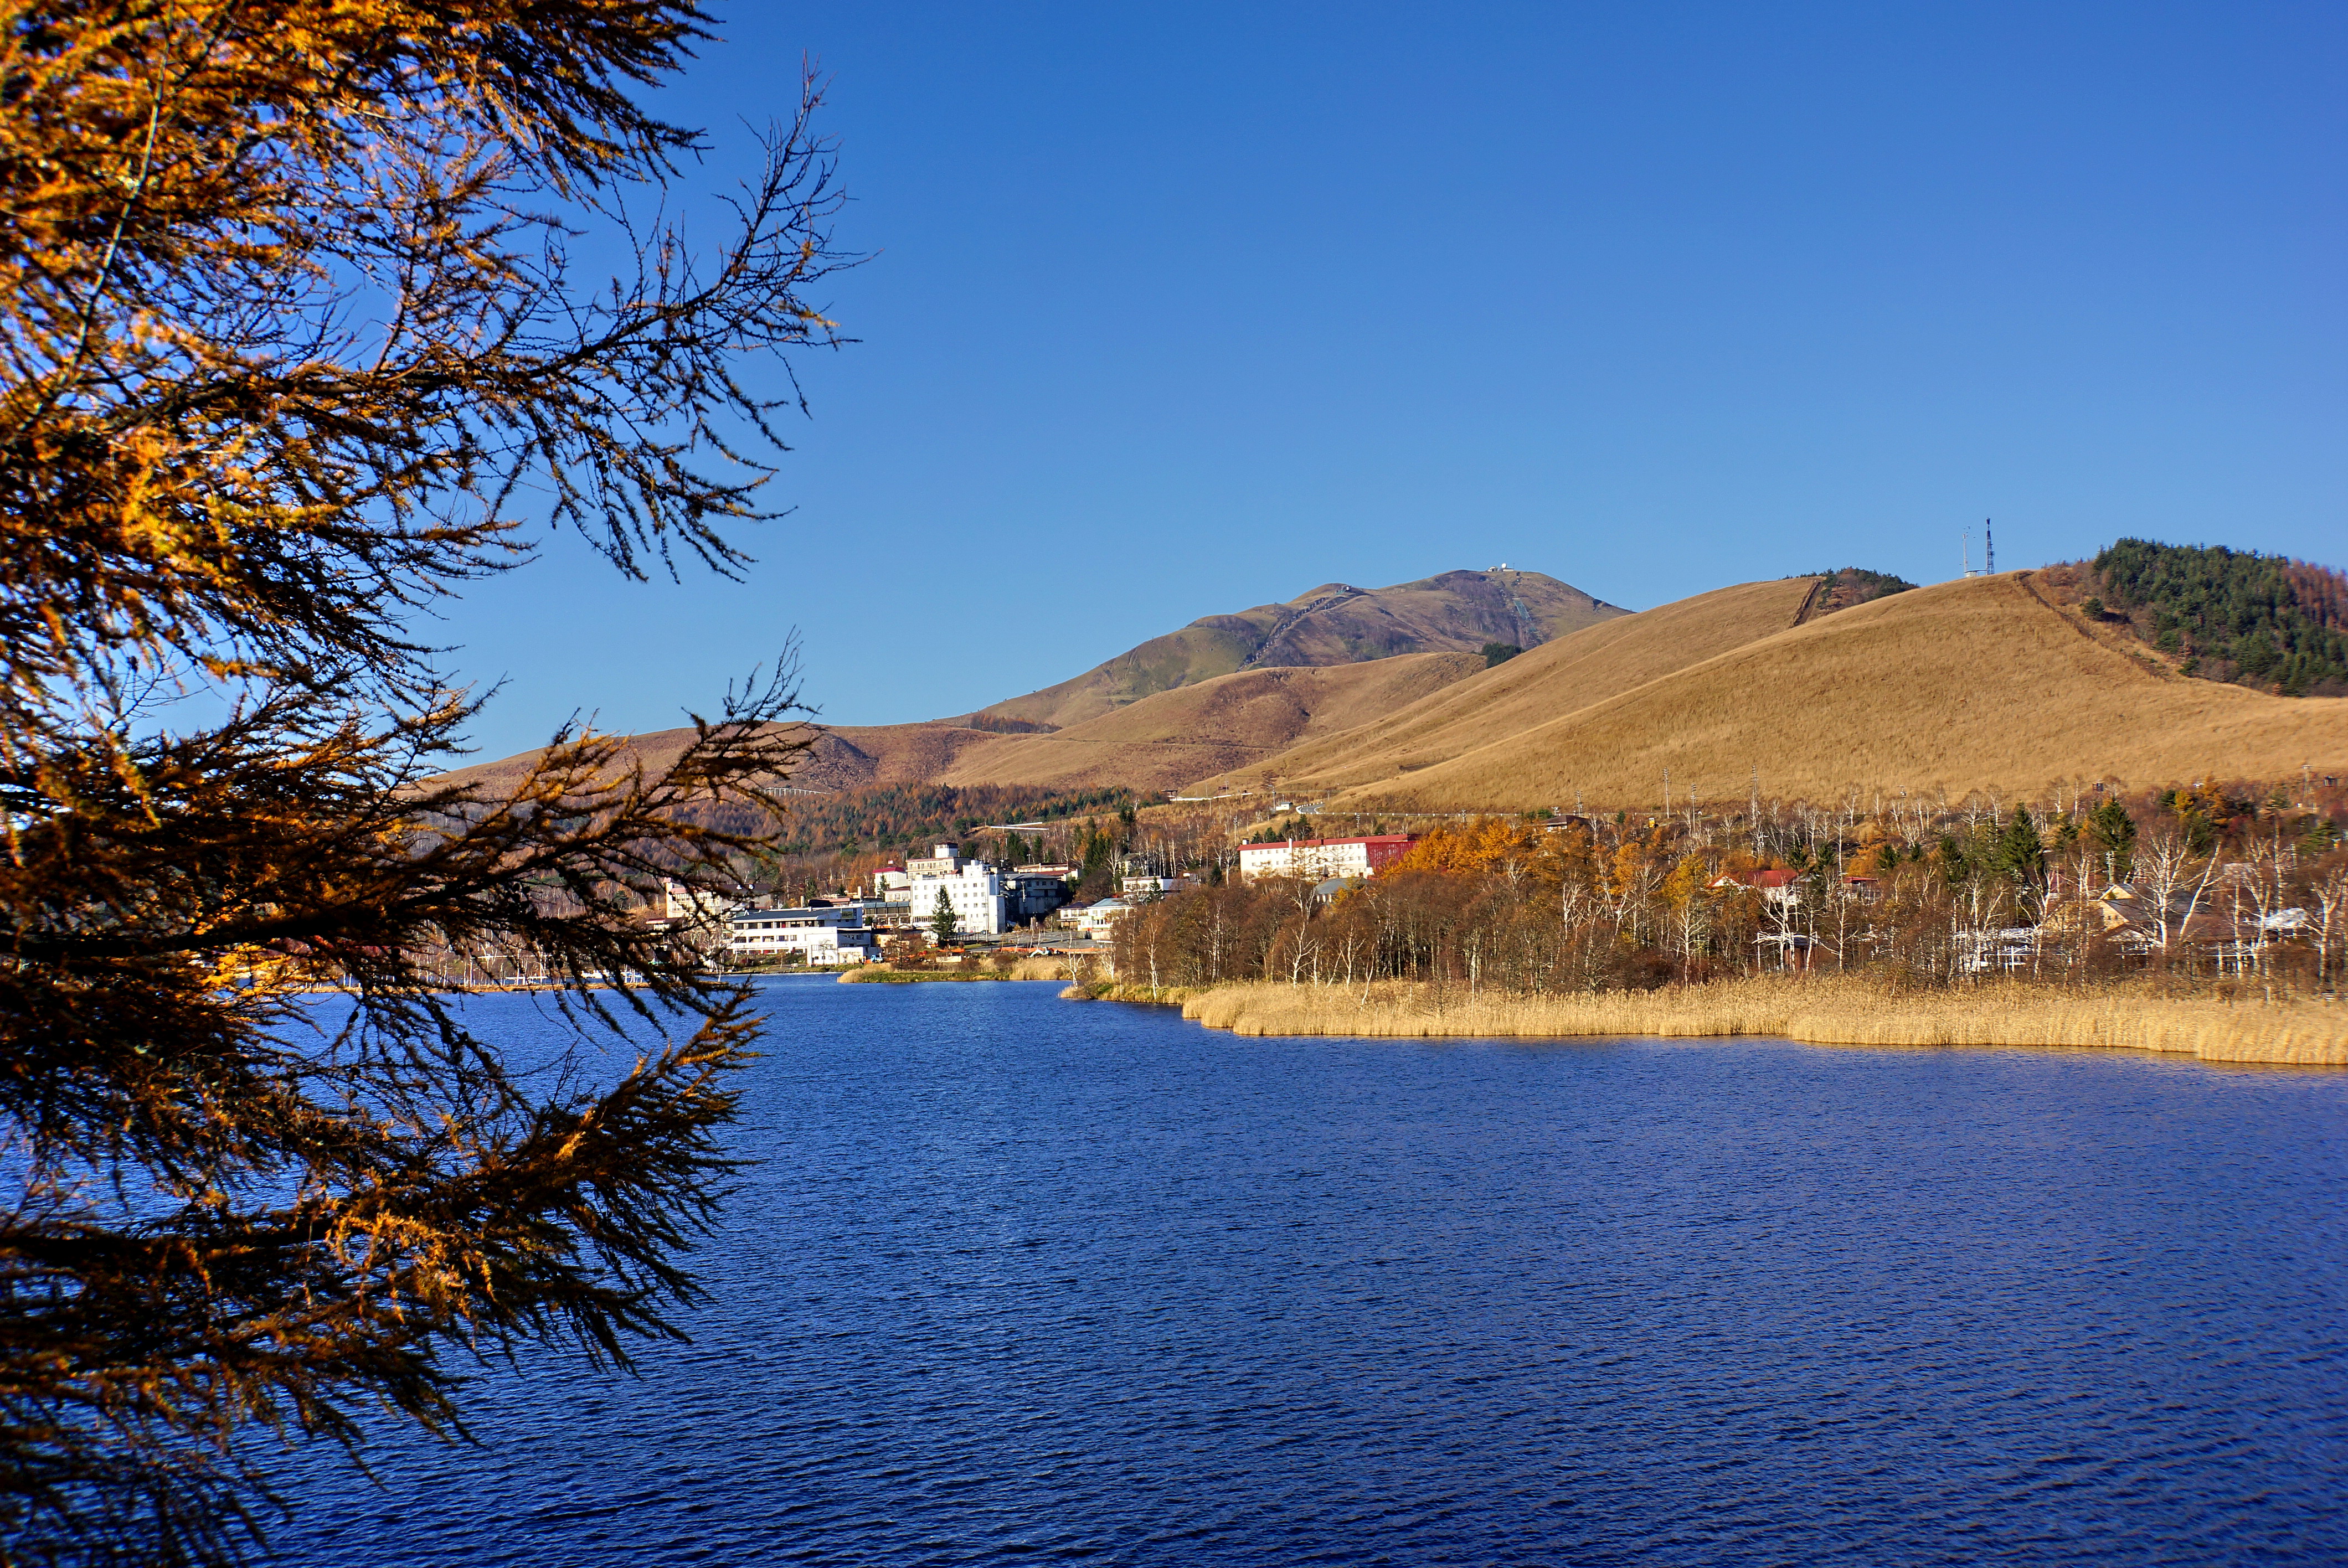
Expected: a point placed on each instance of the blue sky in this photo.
(1178, 310)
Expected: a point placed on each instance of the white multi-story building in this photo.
(972, 888)
(1318, 859)
(821, 934)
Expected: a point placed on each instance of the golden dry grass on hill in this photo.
(1584, 667)
(1164, 741)
(1820, 1011)
(1976, 684)
(1158, 743)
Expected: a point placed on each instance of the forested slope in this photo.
(2264, 621)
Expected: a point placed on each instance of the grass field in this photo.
(1165, 741)
(1825, 1011)
(1497, 704)
(1974, 685)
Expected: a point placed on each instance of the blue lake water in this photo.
(1024, 1279)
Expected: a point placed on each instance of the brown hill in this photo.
(1150, 745)
(1428, 630)
(1979, 684)
(1495, 704)
(1459, 612)
(1164, 740)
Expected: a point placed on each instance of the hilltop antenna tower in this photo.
(1989, 551)
(1969, 552)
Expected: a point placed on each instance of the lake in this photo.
(1026, 1279)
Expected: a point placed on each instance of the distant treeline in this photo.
(2266, 622)
(1919, 896)
(889, 816)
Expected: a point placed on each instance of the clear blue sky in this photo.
(1177, 310)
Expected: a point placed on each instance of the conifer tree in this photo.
(294, 347)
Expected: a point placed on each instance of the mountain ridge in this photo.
(1332, 624)
(1978, 684)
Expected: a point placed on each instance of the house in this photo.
(1096, 920)
(821, 934)
(2006, 949)
(1781, 889)
(1321, 858)
(1793, 950)
(684, 908)
(2235, 937)
(1032, 892)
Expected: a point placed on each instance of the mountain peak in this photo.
(1334, 623)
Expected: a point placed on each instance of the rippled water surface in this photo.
(1026, 1279)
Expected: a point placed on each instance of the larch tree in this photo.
(293, 347)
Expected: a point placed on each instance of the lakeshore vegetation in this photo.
(2205, 919)
(1821, 1010)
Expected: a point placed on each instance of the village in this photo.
(947, 901)
(2036, 914)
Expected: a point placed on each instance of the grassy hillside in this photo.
(1337, 623)
(1511, 698)
(1164, 741)
(1975, 684)
(1155, 744)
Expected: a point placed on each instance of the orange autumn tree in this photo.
(1486, 844)
(294, 345)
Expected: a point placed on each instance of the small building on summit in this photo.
(1321, 858)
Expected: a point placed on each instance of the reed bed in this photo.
(1119, 991)
(1819, 1010)
(1028, 969)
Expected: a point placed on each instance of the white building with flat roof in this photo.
(1096, 920)
(972, 889)
(821, 934)
(1317, 859)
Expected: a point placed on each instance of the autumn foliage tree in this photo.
(294, 345)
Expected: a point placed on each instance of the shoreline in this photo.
(883, 975)
(1814, 1011)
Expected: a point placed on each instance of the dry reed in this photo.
(1028, 968)
(1819, 1010)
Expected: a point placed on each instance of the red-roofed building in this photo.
(1318, 859)
(1777, 886)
